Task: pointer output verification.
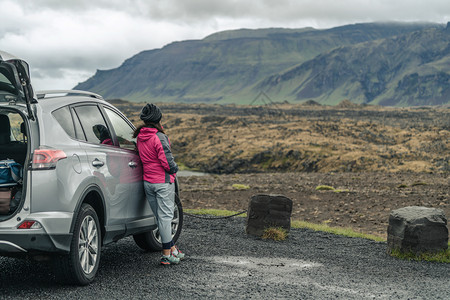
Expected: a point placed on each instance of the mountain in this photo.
(365, 63)
(407, 70)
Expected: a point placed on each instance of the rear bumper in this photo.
(33, 243)
(54, 236)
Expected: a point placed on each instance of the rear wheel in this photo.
(151, 241)
(81, 264)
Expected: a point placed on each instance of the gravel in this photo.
(224, 262)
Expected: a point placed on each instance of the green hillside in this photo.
(236, 66)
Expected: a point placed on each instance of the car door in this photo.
(107, 162)
(139, 214)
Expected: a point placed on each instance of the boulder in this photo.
(266, 211)
(417, 229)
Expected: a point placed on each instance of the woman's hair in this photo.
(148, 125)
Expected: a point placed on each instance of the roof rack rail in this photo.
(43, 94)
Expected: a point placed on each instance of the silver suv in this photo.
(82, 178)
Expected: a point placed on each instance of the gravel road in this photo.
(224, 262)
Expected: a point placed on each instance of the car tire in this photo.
(81, 264)
(151, 240)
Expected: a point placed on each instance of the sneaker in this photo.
(179, 255)
(171, 260)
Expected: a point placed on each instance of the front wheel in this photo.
(151, 241)
(81, 264)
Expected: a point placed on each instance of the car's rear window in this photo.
(64, 118)
(3, 79)
(94, 126)
(5, 85)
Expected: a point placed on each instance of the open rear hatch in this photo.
(15, 91)
(15, 84)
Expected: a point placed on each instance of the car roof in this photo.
(54, 93)
(57, 102)
(53, 99)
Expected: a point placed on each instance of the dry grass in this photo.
(440, 257)
(240, 138)
(238, 186)
(275, 233)
(324, 188)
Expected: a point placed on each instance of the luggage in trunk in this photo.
(5, 200)
(10, 171)
(10, 197)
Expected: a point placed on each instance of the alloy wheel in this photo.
(88, 244)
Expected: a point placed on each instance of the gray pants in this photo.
(161, 197)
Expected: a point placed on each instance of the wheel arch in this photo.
(93, 196)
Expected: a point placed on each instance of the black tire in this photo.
(81, 265)
(151, 241)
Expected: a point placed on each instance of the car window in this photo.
(93, 124)
(5, 83)
(4, 80)
(64, 118)
(122, 129)
(78, 129)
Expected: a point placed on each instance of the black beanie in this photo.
(151, 114)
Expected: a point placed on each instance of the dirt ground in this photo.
(361, 201)
(376, 158)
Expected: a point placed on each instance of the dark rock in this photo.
(266, 211)
(310, 165)
(417, 229)
(311, 103)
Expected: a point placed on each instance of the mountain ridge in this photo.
(235, 66)
(367, 72)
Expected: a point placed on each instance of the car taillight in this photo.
(29, 225)
(45, 159)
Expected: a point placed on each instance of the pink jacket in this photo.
(154, 150)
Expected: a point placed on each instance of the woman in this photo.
(159, 176)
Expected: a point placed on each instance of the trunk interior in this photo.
(13, 153)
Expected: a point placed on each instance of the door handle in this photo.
(132, 164)
(97, 163)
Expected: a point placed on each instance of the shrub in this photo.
(240, 186)
(324, 188)
(342, 191)
(275, 233)
(441, 257)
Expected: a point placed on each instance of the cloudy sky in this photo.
(65, 42)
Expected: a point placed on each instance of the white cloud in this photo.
(66, 41)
